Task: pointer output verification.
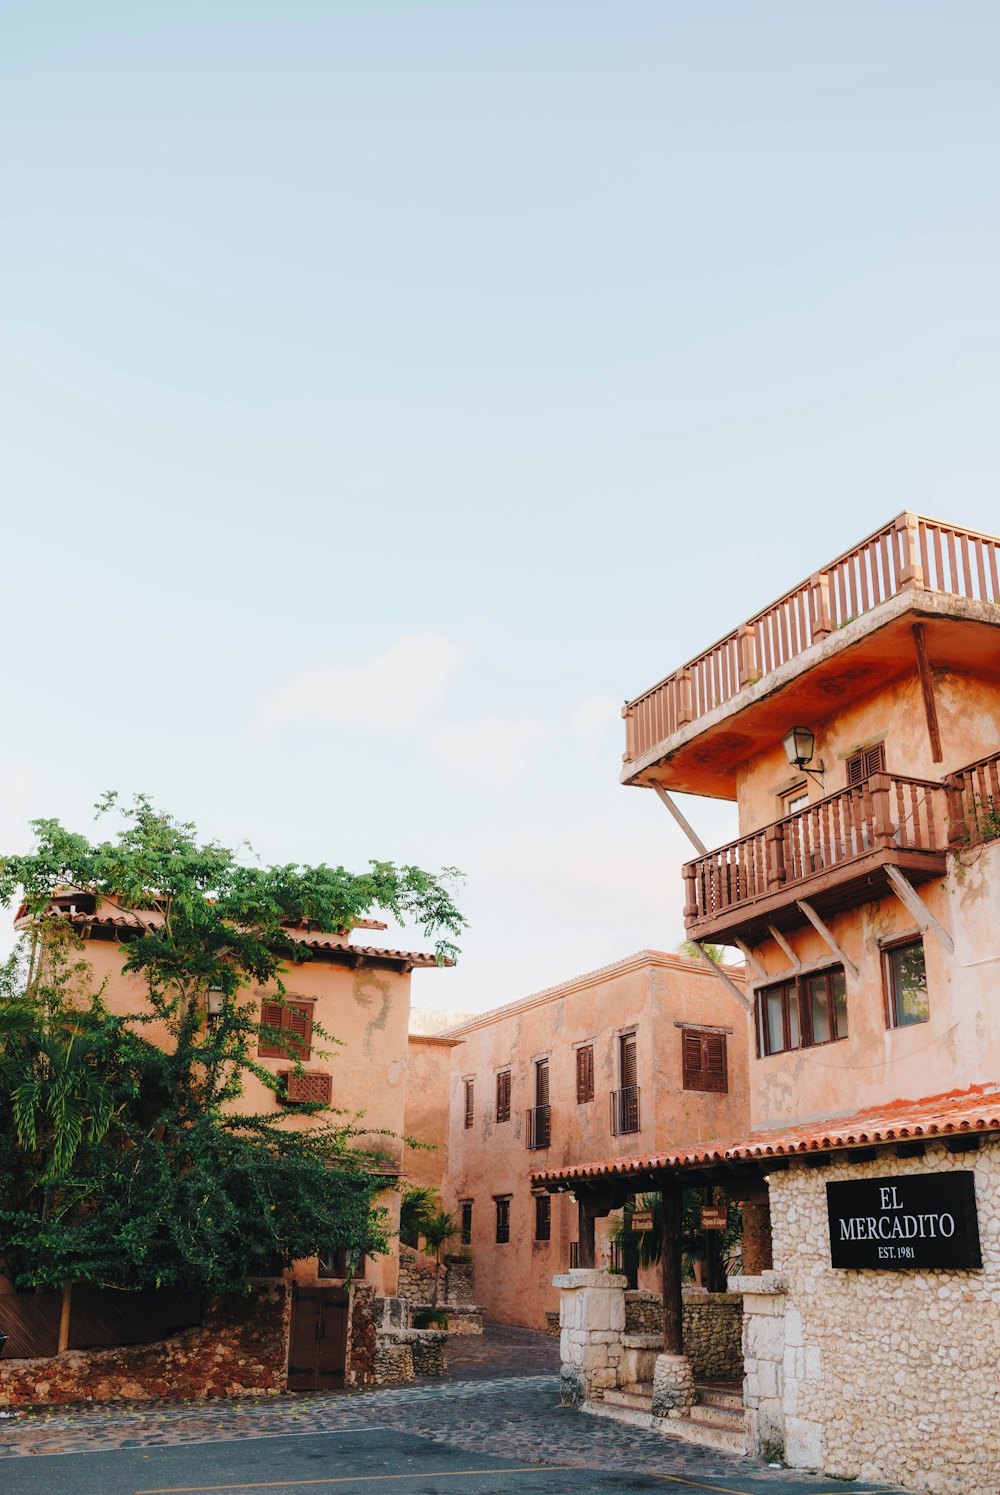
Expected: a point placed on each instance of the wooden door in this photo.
(317, 1348)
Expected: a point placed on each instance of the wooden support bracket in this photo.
(740, 996)
(681, 819)
(927, 689)
(826, 935)
(785, 947)
(910, 898)
(751, 959)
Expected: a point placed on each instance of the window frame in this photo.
(465, 1221)
(502, 1202)
(886, 952)
(281, 1017)
(469, 1093)
(799, 986)
(543, 1217)
(503, 1095)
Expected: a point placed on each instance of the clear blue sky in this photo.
(389, 390)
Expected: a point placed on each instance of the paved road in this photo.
(494, 1428)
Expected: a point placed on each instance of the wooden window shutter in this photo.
(542, 1082)
(543, 1217)
(693, 1061)
(271, 1016)
(629, 1068)
(503, 1095)
(584, 1074)
(469, 1102)
(715, 1072)
(299, 1025)
(862, 765)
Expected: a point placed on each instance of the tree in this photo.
(122, 1161)
(437, 1230)
(416, 1205)
(650, 1242)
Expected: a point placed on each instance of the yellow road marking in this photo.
(350, 1479)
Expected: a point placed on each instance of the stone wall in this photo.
(713, 1335)
(361, 1334)
(644, 1313)
(416, 1279)
(402, 1354)
(240, 1347)
(888, 1377)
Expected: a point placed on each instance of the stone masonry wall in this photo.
(713, 1333)
(890, 1376)
(240, 1347)
(643, 1313)
(416, 1280)
(361, 1347)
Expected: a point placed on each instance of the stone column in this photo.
(763, 1361)
(591, 1328)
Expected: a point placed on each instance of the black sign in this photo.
(915, 1220)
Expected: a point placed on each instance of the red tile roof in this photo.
(974, 1110)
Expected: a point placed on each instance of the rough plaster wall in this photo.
(890, 1376)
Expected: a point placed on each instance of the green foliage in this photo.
(692, 1235)
(123, 1161)
(415, 1207)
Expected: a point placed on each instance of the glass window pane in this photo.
(775, 1028)
(819, 1009)
(909, 985)
(840, 1003)
(795, 1037)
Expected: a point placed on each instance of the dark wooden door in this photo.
(317, 1349)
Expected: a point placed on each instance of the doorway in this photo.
(317, 1347)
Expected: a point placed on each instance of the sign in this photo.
(713, 1217)
(911, 1221)
(642, 1220)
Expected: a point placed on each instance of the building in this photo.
(645, 1053)
(855, 724)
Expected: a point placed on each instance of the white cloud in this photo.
(493, 749)
(391, 693)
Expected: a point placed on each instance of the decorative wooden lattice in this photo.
(307, 1087)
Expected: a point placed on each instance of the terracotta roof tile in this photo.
(974, 1110)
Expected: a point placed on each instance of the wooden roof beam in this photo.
(727, 980)
(827, 936)
(910, 898)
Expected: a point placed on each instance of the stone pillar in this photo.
(673, 1386)
(591, 1328)
(763, 1362)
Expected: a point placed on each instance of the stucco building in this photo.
(647, 1052)
(855, 724)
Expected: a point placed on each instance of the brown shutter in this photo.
(694, 1068)
(271, 1016)
(543, 1217)
(629, 1069)
(503, 1095)
(469, 1102)
(714, 1050)
(298, 1022)
(542, 1082)
(584, 1074)
(862, 765)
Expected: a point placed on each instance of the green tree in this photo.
(650, 1242)
(437, 1230)
(416, 1205)
(122, 1160)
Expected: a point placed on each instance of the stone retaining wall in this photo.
(416, 1280)
(402, 1354)
(643, 1312)
(241, 1347)
(713, 1335)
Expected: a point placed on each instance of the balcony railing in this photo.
(624, 1110)
(886, 813)
(974, 801)
(538, 1129)
(909, 551)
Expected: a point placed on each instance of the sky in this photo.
(388, 391)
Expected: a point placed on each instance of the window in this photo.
(465, 1205)
(503, 1219)
(503, 1095)
(538, 1131)
(627, 1061)
(574, 1254)
(543, 1217)
(800, 1014)
(861, 766)
(470, 1101)
(337, 1263)
(293, 1022)
(796, 799)
(585, 1074)
(625, 1101)
(541, 1082)
(905, 976)
(704, 1056)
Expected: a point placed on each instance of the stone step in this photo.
(720, 1394)
(639, 1400)
(713, 1416)
(709, 1434)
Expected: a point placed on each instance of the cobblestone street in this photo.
(498, 1408)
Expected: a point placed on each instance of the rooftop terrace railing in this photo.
(909, 551)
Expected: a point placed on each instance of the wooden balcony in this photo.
(833, 853)
(909, 554)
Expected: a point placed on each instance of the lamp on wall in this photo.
(800, 744)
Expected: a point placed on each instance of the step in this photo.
(638, 1400)
(710, 1434)
(711, 1416)
(720, 1394)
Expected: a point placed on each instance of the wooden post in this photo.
(774, 841)
(757, 1255)
(670, 1262)
(878, 789)
(587, 1254)
(691, 896)
(685, 698)
(927, 690)
(746, 646)
(819, 587)
(715, 1277)
(67, 1301)
(911, 572)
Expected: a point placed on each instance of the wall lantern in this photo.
(800, 744)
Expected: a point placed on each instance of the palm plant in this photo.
(437, 1229)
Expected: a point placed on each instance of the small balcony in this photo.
(833, 853)
(538, 1127)
(624, 1110)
